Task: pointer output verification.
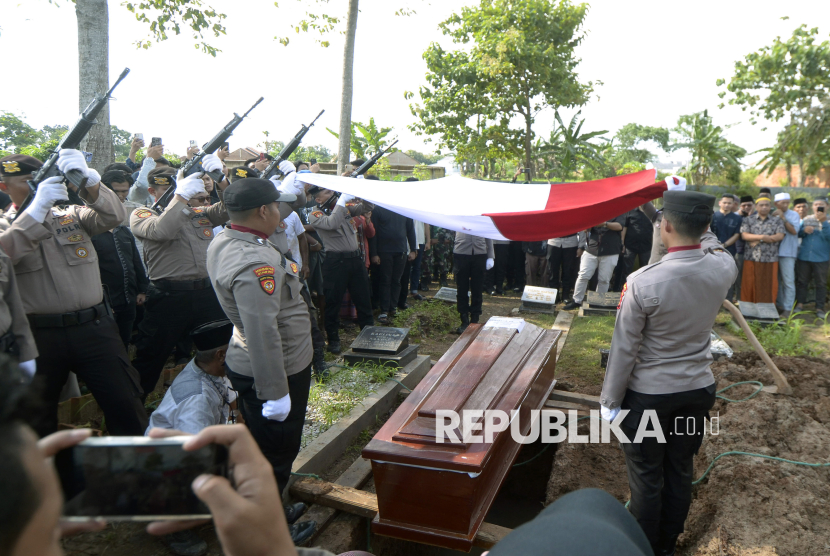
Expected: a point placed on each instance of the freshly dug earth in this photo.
(745, 506)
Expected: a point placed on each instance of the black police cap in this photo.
(212, 335)
(688, 202)
(243, 172)
(19, 165)
(251, 193)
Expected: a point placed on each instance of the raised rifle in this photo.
(72, 140)
(288, 150)
(210, 147)
(366, 166)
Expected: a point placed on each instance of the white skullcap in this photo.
(782, 197)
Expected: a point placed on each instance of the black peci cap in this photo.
(251, 193)
(800, 201)
(747, 199)
(242, 172)
(19, 165)
(689, 202)
(212, 335)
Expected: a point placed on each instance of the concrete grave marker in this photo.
(448, 294)
(382, 345)
(538, 300)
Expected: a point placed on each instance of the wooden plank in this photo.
(556, 404)
(365, 504)
(319, 455)
(357, 474)
(575, 397)
(579, 412)
(562, 323)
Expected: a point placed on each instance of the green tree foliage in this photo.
(516, 58)
(121, 141)
(370, 140)
(569, 150)
(170, 16)
(711, 153)
(425, 159)
(15, 133)
(319, 153)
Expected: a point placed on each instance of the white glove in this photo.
(29, 368)
(286, 167)
(190, 186)
(676, 183)
(277, 410)
(609, 414)
(276, 181)
(211, 163)
(489, 264)
(70, 159)
(292, 186)
(50, 191)
(344, 198)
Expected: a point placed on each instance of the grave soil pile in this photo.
(745, 506)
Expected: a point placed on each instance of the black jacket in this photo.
(392, 233)
(121, 270)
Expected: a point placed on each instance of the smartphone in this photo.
(819, 209)
(313, 161)
(225, 146)
(193, 143)
(139, 136)
(262, 156)
(87, 156)
(155, 141)
(136, 478)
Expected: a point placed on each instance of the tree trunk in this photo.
(93, 73)
(528, 143)
(802, 178)
(348, 88)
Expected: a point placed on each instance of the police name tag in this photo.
(506, 322)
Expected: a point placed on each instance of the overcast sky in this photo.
(657, 60)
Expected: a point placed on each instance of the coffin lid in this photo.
(491, 366)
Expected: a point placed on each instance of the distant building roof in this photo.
(399, 158)
(241, 155)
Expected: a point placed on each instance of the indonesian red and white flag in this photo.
(506, 211)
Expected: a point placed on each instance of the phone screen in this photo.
(820, 209)
(155, 141)
(226, 146)
(137, 478)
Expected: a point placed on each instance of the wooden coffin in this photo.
(439, 493)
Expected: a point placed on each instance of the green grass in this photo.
(781, 338)
(580, 356)
(427, 319)
(539, 319)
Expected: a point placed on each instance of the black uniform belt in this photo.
(201, 284)
(342, 254)
(62, 320)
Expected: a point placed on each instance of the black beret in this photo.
(747, 199)
(242, 172)
(161, 176)
(19, 165)
(212, 335)
(800, 201)
(251, 193)
(688, 202)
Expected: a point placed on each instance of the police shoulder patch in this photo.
(622, 295)
(266, 279)
(317, 214)
(143, 213)
(294, 268)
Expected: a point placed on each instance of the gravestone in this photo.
(538, 300)
(382, 345)
(449, 295)
(600, 304)
(763, 313)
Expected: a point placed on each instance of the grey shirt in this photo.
(195, 400)
(465, 244)
(664, 323)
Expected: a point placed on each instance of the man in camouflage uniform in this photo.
(440, 260)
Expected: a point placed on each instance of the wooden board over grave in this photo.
(435, 491)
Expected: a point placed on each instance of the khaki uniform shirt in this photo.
(12, 314)
(55, 262)
(664, 323)
(175, 243)
(259, 290)
(465, 244)
(337, 230)
(279, 239)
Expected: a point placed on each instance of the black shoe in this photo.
(492, 291)
(301, 532)
(465, 322)
(424, 287)
(334, 347)
(293, 512)
(499, 291)
(403, 306)
(418, 297)
(474, 319)
(570, 305)
(383, 318)
(185, 543)
(319, 365)
(444, 283)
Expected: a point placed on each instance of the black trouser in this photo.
(317, 338)
(391, 269)
(469, 276)
(168, 315)
(341, 272)
(494, 278)
(806, 272)
(124, 318)
(515, 271)
(93, 351)
(405, 277)
(628, 263)
(660, 475)
(279, 441)
(562, 261)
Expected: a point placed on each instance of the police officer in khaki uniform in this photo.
(175, 242)
(60, 285)
(660, 361)
(269, 356)
(343, 268)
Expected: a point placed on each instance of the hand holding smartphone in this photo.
(155, 141)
